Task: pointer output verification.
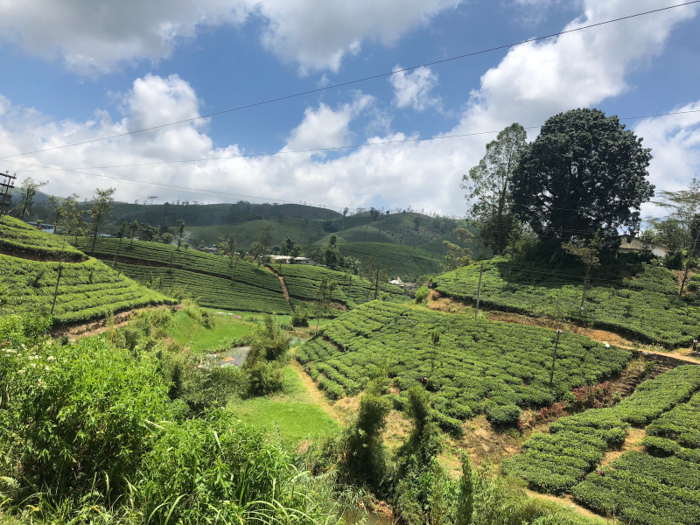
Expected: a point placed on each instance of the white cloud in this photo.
(530, 84)
(325, 128)
(94, 37)
(413, 88)
(675, 144)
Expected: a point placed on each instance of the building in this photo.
(281, 259)
(305, 260)
(48, 228)
(397, 282)
(632, 244)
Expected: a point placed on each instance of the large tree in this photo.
(585, 173)
(28, 191)
(99, 211)
(488, 185)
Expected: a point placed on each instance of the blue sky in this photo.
(79, 70)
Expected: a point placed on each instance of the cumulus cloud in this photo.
(413, 88)
(530, 84)
(96, 37)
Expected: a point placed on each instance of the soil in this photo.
(97, 327)
(632, 442)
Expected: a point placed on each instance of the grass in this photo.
(199, 339)
(292, 414)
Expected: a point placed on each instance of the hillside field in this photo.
(22, 240)
(645, 307)
(657, 486)
(398, 260)
(476, 367)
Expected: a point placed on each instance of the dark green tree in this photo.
(180, 231)
(489, 185)
(28, 191)
(99, 211)
(585, 173)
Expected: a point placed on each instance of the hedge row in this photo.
(477, 366)
(557, 461)
(645, 307)
(20, 239)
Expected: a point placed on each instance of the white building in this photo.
(631, 244)
(305, 260)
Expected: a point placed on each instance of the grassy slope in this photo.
(186, 331)
(292, 413)
(475, 361)
(302, 231)
(398, 260)
(646, 308)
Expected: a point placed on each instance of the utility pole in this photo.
(554, 360)
(5, 186)
(687, 264)
(478, 292)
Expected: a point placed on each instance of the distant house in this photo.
(281, 259)
(632, 244)
(48, 228)
(104, 235)
(207, 249)
(397, 282)
(305, 260)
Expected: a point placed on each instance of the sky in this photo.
(78, 71)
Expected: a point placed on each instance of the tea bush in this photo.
(645, 307)
(22, 240)
(474, 361)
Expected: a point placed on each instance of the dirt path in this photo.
(632, 442)
(567, 501)
(284, 285)
(97, 327)
(318, 397)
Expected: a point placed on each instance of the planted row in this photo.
(645, 307)
(475, 367)
(20, 239)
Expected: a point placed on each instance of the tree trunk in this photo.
(376, 286)
(94, 237)
(585, 284)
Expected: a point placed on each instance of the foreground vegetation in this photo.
(645, 307)
(471, 366)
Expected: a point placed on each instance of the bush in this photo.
(422, 294)
(300, 318)
(502, 415)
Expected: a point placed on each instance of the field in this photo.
(87, 290)
(640, 487)
(302, 231)
(209, 290)
(398, 260)
(303, 281)
(477, 366)
(19, 239)
(198, 338)
(291, 414)
(645, 308)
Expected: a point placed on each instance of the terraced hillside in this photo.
(477, 366)
(211, 278)
(20, 239)
(657, 486)
(303, 281)
(645, 307)
(88, 289)
(397, 259)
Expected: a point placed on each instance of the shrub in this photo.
(502, 415)
(300, 318)
(422, 294)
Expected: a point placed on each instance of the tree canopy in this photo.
(585, 173)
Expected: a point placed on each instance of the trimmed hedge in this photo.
(22, 240)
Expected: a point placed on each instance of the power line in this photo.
(352, 146)
(360, 80)
(212, 192)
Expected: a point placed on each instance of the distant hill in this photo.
(398, 260)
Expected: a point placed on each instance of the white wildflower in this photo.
(42, 383)
(33, 365)
(607, 345)
(47, 368)
(21, 371)
(50, 358)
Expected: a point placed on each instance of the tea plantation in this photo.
(87, 290)
(303, 281)
(477, 366)
(661, 485)
(558, 461)
(22, 240)
(645, 307)
(399, 260)
(211, 291)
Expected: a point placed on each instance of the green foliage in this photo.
(502, 415)
(397, 259)
(21, 240)
(300, 317)
(422, 294)
(587, 162)
(465, 509)
(88, 290)
(480, 360)
(645, 307)
(76, 415)
(556, 462)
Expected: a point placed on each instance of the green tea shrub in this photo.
(300, 318)
(422, 294)
(502, 415)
